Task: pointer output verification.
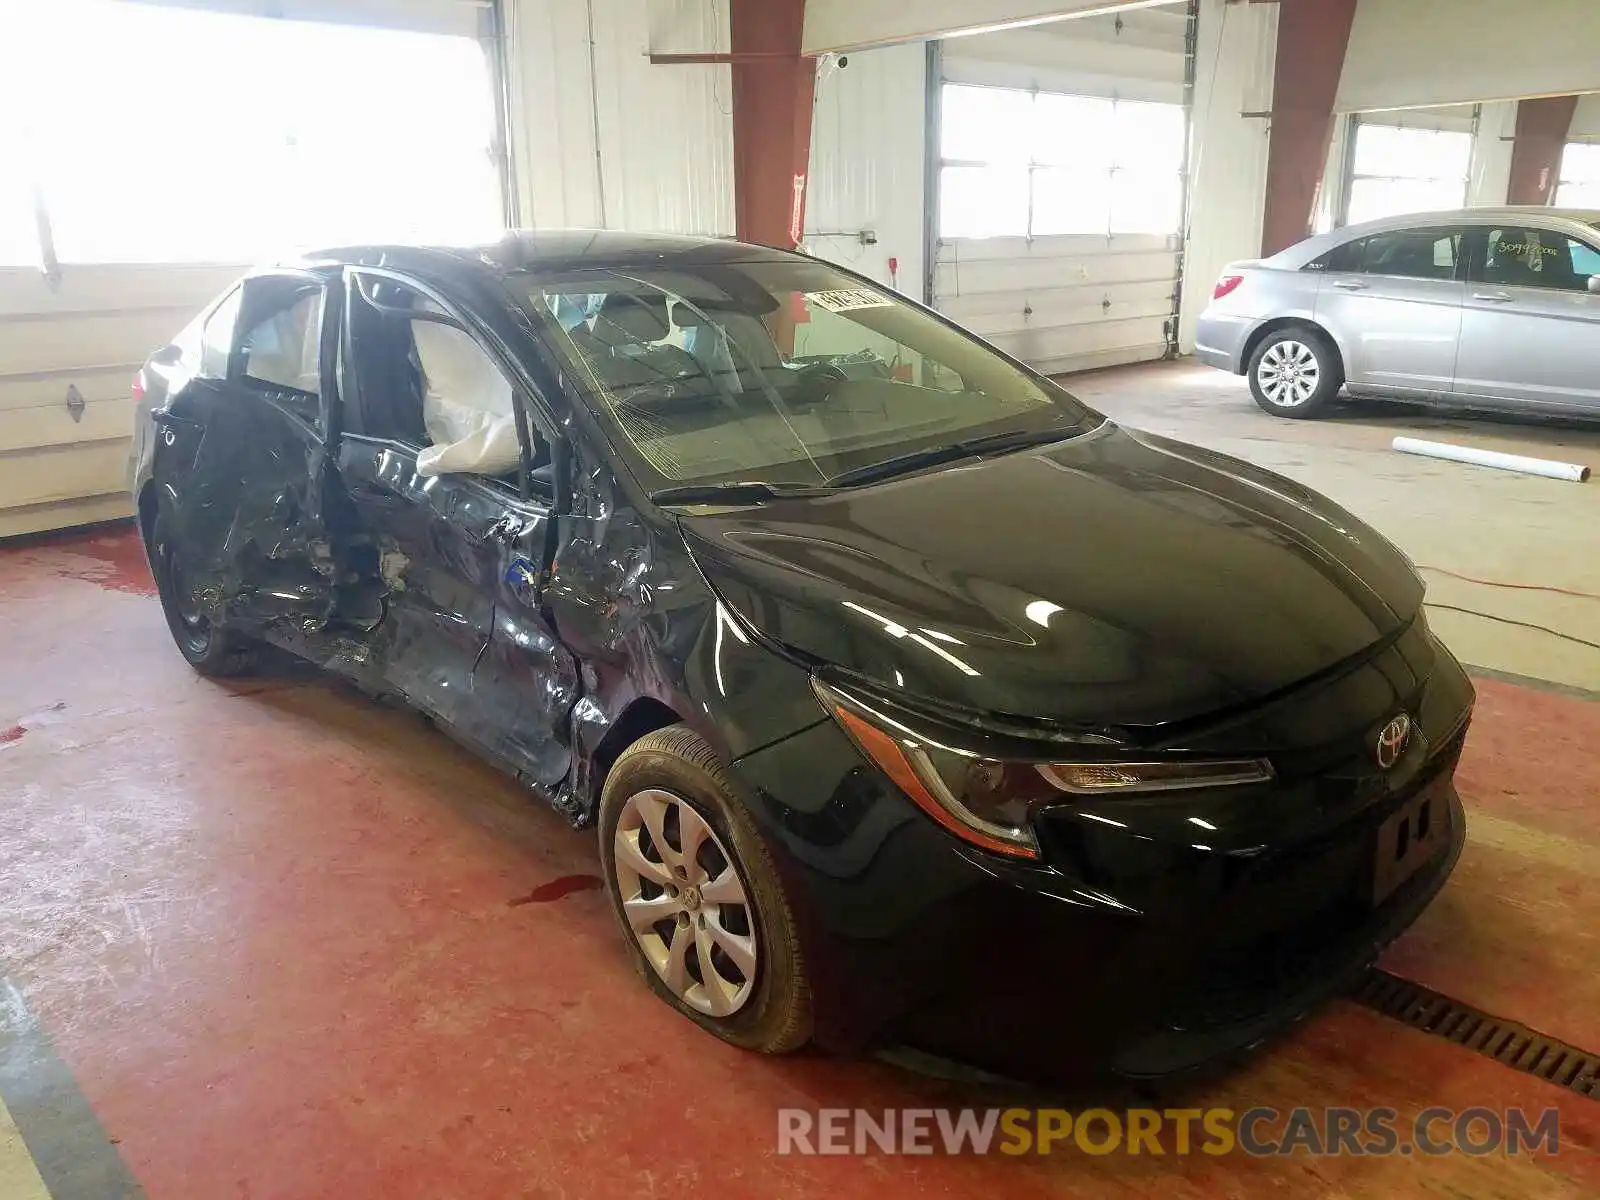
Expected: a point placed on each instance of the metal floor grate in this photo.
(1506, 1042)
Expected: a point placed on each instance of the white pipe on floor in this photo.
(1493, 458)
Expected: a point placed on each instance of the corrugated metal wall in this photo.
(868, 134)
(1073, 302)
(601, 137)
(1237, 46)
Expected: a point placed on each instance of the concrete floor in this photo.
(265, 939)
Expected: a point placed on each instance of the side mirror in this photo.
(1594, 283)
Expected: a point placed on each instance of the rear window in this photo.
(1409, 253)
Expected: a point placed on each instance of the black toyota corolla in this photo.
(913, 700)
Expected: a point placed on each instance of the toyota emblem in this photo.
(1392, 741)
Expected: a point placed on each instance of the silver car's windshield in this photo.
(782, 372)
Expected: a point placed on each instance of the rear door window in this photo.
(1409, 253)
(282, 346)
(1523, 256)
(277, 347)
(216, 337)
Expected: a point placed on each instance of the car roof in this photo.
(1303, 252)
(551, 251)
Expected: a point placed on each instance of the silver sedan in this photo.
(1488, 308)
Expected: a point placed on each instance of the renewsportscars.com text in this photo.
(1257, 1131)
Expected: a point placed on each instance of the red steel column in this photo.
(772, 97)
(1542, 127)
(1312, 36)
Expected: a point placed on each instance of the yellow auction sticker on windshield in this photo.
(844, 299)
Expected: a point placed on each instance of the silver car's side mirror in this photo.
(1594, 283)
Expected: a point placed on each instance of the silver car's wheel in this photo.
(1289, 373)
(685, 902)
(1295, 372)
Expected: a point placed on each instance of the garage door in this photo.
(1060, 196)
(137, 193)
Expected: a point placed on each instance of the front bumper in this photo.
(1125, 951)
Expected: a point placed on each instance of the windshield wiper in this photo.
(992, 443)
(743, 492)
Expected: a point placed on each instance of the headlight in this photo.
(987, 801)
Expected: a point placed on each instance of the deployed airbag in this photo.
(466, 405)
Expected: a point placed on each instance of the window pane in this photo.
(237, 156)
(1531, 258)
(216, 342)
(1578, 195)
(1372, 198)
(983, 124)
(282, 349)
(1146, 202)
(1413, 253)
(1066, 200)
(1149, 137)
(1411, 153)
(1075, 131)
(19, 243)
(742, 406)
(1585, 260)
(1581, 163)
(977, 202)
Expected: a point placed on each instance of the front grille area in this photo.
(1300, 913)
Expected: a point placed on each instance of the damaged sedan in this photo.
(912, 700)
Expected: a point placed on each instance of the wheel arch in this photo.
(1268, 328)
(149, 503)
(642, 716)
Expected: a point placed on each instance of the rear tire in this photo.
(710, 931)
(209, 649)
(1295, 372)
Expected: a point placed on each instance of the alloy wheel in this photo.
(686, 903)
(1289, 373)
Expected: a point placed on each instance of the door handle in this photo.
(1493, 297)
(1350, 285)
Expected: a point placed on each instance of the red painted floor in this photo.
(296, 945)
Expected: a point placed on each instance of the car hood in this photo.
(1117, 579)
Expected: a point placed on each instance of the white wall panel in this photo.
(1228, 159)
(1489, 181)
(664, 133)
(1405, 53)
(854, 24)
(552, 114)
(867, 156)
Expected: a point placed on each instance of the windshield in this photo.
(787, 373)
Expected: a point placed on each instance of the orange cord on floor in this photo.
(1522, 587)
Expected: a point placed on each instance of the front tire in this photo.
(697, 898)
(209, 649)
(1295, 373)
